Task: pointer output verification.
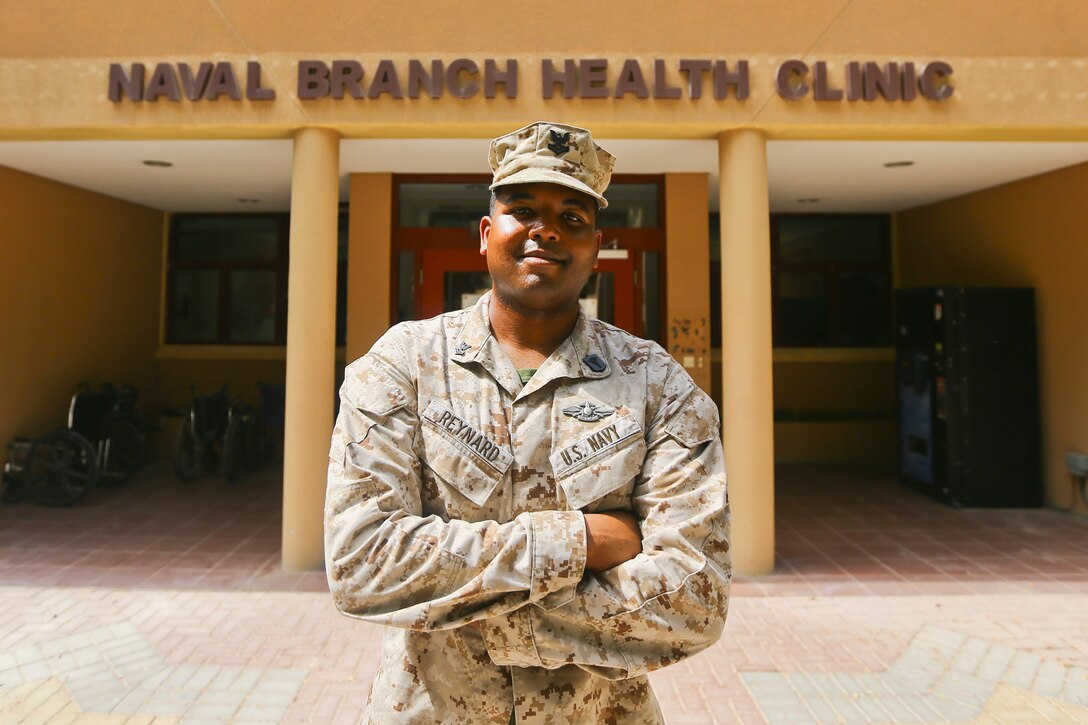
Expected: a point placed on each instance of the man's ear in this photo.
(597, 236)
(485, 231)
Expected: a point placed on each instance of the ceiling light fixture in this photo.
(244, 200)
(160, 164)
(898, 164)
(808, 200)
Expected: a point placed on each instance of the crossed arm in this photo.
(618, 593)
(612, 538)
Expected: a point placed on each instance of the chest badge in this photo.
(588, 412)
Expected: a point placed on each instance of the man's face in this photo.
(541, 245)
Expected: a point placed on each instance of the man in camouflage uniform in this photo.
(533, 500)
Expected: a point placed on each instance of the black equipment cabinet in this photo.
(968, 395)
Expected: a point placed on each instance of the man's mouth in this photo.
(540, 256)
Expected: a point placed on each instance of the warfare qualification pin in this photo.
(588, 412)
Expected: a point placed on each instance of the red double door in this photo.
(455, 278)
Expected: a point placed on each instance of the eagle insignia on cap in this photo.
(588, 412)
(560, 143)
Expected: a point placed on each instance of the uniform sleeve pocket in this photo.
(696, 422)
(364, 402)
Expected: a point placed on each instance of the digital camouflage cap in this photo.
(552, 153)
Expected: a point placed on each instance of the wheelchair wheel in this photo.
(186, 457)
(259, 446)
(125, 450)
(234, 447)
(61, 468)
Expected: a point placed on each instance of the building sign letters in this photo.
(794, 80)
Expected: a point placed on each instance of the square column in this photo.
(311, 344)
(747, 393)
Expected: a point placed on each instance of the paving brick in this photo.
(132, 703)
(212, 712)
(225, 678)
(11, 677)
(1076, 686)
(202, 678)
(45, 713)
(258, 713)
(969, 655)
(167, 710)
(101, 701)
(219, 697)
(1022, 669)
(821, 709)
(179, 677)
(963, 687)
(898, 710)
(35, 671)
(156, 676)
(1049, 679)
(953, 710)
(846, 710)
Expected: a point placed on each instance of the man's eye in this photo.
(574, 218)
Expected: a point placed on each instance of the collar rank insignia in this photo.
(588, 412)
(461, 349)
(594, 362)
(560, 143)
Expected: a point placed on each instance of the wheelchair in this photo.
(217, 435)
(105, 441)
(268, 426)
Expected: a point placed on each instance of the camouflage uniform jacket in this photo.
(454, 514)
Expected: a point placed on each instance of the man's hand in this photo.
(612, 538)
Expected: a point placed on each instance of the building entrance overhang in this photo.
(846, 176)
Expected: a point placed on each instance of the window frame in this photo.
(830, 271)
(281, 266)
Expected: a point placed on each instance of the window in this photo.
(227, 279)
(830, 280)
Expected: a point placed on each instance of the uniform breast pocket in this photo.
(461, 455)
(601, 465)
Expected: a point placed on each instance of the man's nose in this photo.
(546, 228)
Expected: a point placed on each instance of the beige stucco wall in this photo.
(175, 376)
(687, 274)
(1029, 232)
(1018, 67)
(840, 411)
(79, 292)
(370, 229)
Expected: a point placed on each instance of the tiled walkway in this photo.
(842, 531)
(163, 602)
(155, 532)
